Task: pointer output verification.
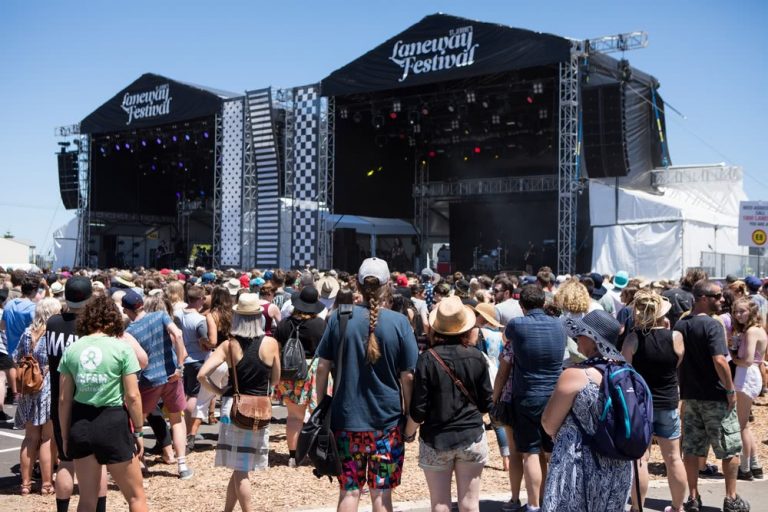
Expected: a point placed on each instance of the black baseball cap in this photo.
(77, 291)
(132, 300)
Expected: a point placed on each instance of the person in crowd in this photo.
(427, 276)
(599, 292)
(374, 391)
(507, 307)
(656, 352)
(750, 341)
(440, 292)
(162, 340)
(18, 314)
(619, 282)
(272, 314)
(6, 365)
(99, 398)
(175, 292)
(299, 394)
(681, 297)
(709, 396)
(33, 413)
(194, 328)
(537, 342)
(304, 279)
(452, 435)
(278, 281)
(579, 479)
(254, 359)
(219, 319)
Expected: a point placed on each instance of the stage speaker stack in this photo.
(345, 250)
(69, 183)
(605, 144)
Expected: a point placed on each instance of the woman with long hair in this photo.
(750, 340)
(452, 435)
(271, 313)
(33, 413)
(299, 392)
(219, 319)
(656, 351)
(256, 360)
(373, 392)
(97, 413)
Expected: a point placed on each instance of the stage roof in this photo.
(442, 47)
(154, 100)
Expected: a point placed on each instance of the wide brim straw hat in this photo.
(488, 312)
(451, 317)
(248, 304)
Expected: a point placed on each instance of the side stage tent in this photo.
(659, 236)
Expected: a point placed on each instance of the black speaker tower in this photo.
(69, 183)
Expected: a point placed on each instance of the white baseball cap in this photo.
(373, 267)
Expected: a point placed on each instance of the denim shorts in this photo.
(666, 423)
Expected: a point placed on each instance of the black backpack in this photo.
(293, 363)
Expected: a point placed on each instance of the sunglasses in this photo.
(717, 296)
(498, 290)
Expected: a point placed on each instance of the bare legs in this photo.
(127, 476)
(293, 423)
(743, 405)
(238, 491)
(670, 451)
(515, 465)
(36, 444)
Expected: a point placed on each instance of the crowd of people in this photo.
(90, 356)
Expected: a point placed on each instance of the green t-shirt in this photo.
(97, 365)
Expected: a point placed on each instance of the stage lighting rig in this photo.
(471, 96)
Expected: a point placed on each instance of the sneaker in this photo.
(745, 475)
(709, 470)
(190, 443)
(292, 462)
(670, 508)
(5, 418)
(693, 504)
(757, 472)
(736, 504)
(512, 506)
(186, 474)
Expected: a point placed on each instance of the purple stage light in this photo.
(144, 143)
(186, 137)
(127, 146)
(178, 195)
(117, 147)
(174, 138)
(153, 167)
(205, 135)
(159, 140)
(181, 164)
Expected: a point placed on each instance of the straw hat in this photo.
(451, 317)
(125, 278)
(233, 286)
(247, 304)
(488, 312)
(328, 287)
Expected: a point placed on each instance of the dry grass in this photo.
(281, 488)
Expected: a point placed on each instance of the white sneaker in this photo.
(292, 462)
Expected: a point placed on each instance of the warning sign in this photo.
(753, 223)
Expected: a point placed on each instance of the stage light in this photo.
(393, 115)
(495, 119)
(413, 117)
(466, 158)
(127, 146)
(477, 149)
(202, 193)
(451, 108)
(153, 167)
(159, 140)
(117, 147)
(538, 88)
(471, 97)
(484, 103)
(424, 109)
(357, 117)
(454, 124)
(103, 150)
(174, 138)
(529, 99)
(186, 136)
(205, 135)
(417, 128)
(378, 121)
(181, 164)
(543, 113)
(369, 173)
(396, 106)
(178, 195)
(143, 143)
(431, 154)
(343, 112)
(495, 157)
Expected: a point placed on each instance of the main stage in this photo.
(479, 136)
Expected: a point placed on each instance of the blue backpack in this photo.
(625, 426)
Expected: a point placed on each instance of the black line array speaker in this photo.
(345, 251)
(69, 183)
(605, 144)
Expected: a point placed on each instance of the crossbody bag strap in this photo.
(453, 376)
(345, 312)
(234, 369)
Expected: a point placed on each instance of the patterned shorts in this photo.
(710, 422)
(444, 460)
(372, 457)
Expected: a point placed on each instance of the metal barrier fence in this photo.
(720, 265)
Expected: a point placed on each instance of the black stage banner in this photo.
(442, 47)
(152, 100)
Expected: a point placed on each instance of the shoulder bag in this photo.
(248, 412)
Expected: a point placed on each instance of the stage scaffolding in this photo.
(83, 201)
(217, 171)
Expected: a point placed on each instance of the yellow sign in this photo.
(154, 235)
(759, 237)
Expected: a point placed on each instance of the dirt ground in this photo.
(281, 488)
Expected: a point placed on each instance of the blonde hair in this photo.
(647, 303)
(375, 294)
(572, 296)
(754, 315)
(175, 292)
(44, 310)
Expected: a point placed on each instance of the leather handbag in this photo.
(248, 412)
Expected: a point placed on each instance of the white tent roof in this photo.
(372, 225)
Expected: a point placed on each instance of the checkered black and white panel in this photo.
(231, 182)
(264, 149)
(305, 176)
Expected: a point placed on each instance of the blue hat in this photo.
(132, 300)
(257, 281)
(621, 279)
(268, 275)
(753, 282)
(208, 277)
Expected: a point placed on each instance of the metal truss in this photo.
(284, 101)
(421, 205)
(443, 190)
(325, 192)
(618, 42)
(568, 160)
(217, 170)
(132, 217)
(248, 206)
(82, 255)
(696, 174)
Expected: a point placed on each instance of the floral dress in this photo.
(579, 480)
(35, 408)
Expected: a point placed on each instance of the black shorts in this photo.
(104, 432)
(6, 362)
(529, 435)
(191, 384)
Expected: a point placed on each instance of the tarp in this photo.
(661, 236)
(372, 225)
(153, 100)
(65, 244)
(441, 47)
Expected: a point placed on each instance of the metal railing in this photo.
(720, 265)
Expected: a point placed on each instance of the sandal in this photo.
(47, 490)
(709, 470)
(25, 489)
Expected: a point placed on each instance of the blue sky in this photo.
(61, 60)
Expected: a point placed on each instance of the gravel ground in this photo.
(281, 488)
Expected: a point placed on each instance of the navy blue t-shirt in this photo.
(368, 396)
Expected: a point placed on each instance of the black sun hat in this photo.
(308, 301)
(601, 328)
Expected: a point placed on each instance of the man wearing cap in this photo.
(754, 283)
(709, 396)
(599, 293)
(535, 344)
(60, 333)
(162, 340)
(194, 328)
(620, 281)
